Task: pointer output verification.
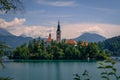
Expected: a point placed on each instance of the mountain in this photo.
(12, 40)
(90, 37)
(4, 32)
(111, 45)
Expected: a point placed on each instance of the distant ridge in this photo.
(90, 37)
(4, 32)
(12, 40)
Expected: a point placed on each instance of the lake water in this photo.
(51, 70)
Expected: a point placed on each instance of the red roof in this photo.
(71, 41)
(49, 39)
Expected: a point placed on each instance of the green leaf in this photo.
(108, 66)
(114, 69)
(113, 63)
(111, 73)
(118, 77)
(101, 63)
(105, 77)
(107, 61)
(100, 67)
(85, 73)
(7, 78)
(77, 77)
(103, 73)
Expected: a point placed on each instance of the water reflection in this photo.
(50, 70)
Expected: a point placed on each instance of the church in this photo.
(58, 33)
(58, 37)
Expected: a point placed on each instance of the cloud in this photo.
(15, 22)
(17, 27)
(39, 12)
(75, 30)
(32, 31)
(102, 9)
(57, 3)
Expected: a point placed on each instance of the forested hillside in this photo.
(111, 45)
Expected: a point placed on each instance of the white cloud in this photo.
(15, 22)
(17, 27)
(102, 9)
(107, 30)
(32, 31)
(57, 3)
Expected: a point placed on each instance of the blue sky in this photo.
(99, 16)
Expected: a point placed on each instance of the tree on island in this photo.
(37, 49)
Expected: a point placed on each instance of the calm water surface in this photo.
(50, 70)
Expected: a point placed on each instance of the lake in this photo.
(51, 70)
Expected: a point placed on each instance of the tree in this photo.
(68, 52)
(25, 51)
(2, 50)
(21, 52)
(75, 53)
(111, 45)
(3, 47)
(11, 5)
(93, 50)
(37, 49)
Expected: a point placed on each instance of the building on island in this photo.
(71, 42)
(58, 38)
(58, 33)
(49, 40)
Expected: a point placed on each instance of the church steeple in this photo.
(58, 33)
(58, 28)
(50, 35)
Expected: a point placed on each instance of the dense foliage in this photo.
(3, 49)
(111, 46)
(39, 49)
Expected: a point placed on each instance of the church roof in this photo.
(58, 28)
(49, 39)
(71, 41)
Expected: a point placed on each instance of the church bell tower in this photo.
(58, 33)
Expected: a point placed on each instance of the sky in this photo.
(40, 17)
